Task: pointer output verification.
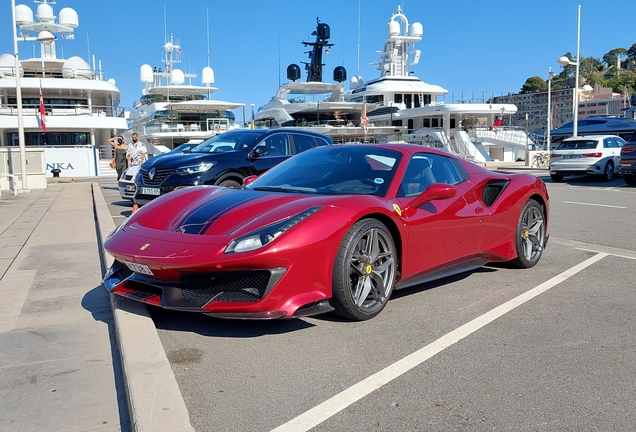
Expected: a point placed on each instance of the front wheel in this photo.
(530, 235)
(556, 178)
(232, 184)
(364, 271)
(630, 179)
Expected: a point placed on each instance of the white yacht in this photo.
(320, 106)
(171, 112)
(404, 100)
(80, 107)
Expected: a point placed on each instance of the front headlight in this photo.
(263, 236)
(195, 168)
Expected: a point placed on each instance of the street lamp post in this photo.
(18, 94)
(549, 127)
(564, 61)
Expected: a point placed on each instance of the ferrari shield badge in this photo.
(144, 246)
(397, 209)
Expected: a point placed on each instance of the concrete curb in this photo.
(154, 400)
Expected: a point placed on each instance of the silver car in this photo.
(590, 154)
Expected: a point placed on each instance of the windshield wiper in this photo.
(282, 189)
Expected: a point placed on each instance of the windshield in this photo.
(182, 148)
(229, 141)
(333, 170)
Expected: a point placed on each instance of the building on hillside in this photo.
(532, 108)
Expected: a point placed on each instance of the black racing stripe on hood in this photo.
(199, 220)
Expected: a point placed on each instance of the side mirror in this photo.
(258, 151)
(186, 151)
(249, 179)
(436, 191)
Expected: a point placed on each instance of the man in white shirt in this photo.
(136, 152)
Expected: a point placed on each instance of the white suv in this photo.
(590, 154)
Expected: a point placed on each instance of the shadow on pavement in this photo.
(209, 326)
(585, 180)
(97, 302)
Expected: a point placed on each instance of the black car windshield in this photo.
(333, 170)
(229, 141)
(183, 147)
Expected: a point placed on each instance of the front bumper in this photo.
(195, 291)
(127, 189)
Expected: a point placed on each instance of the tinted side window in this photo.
(425, 169)
(276, 145)
(608, 143)
(303, 142)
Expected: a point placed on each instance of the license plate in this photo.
(571, 157)
(130, 188)
(150, 191)
(139, 268)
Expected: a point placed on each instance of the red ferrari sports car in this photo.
(334, 228)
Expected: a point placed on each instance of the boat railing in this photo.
(215, 125)
(429, 137)
(469, 97)
(64, 110)
(512, 135)
(332, 123)
(57, 72)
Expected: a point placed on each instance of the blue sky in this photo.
(468, 45)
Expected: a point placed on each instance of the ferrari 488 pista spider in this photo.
(334, 228)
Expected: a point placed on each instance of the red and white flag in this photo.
(42, 114)
(365, 120)
(496, 124)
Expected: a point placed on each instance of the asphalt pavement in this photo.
(59, 363)
(73, 358)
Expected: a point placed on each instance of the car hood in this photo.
(219, 211)
(177, 160)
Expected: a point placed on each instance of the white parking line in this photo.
(342, 400)
(595, 205)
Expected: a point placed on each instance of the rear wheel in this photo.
(556, 178)
(530, 235)
(608, 173)
(364, 271)
(630, 179)
(232, 184)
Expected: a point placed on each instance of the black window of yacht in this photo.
(434, 122)
(426, 123)
(397, 98)
(408, 99)
(375, 98)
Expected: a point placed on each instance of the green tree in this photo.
(631, 52)
(534, 84)
(590, 65)
(617, 53)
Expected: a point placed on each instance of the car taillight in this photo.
(593, 154)
(628, 149)
(554, 155)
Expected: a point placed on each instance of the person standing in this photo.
(121, 162)
(136, 152)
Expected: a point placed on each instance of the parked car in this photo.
(224, 160)
(126, 183)
(336, 227)
(628, 161)
(591, 154)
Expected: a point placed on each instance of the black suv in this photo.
(224, 160)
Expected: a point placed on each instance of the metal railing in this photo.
(57, 72)
(504, 135)
(64, 110)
